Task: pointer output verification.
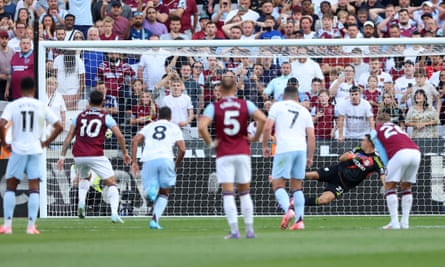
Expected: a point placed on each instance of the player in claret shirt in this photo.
(89, 128)
(231, 118)
(402, 159)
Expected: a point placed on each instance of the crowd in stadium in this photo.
(409, 87)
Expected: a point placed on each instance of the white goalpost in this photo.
(195, 193)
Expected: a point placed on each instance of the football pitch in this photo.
(327, 241)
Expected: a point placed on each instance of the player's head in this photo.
(27, 85)
(367, 143)
(291, 92)
(96, 98)
(228, 81)
(165, 113)
(383, 117)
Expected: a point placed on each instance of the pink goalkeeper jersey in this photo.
(393, 138)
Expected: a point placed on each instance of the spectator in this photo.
(92, 60)
(210, 31)
(270, 69)
(30, 6)
(151, 66)
(306, 27)
(406, 24)
(402, 83)
(181, 106)
(24, 16)
(151, 24)
(275, 87)
(436, 64)
(143, 113)
(5, 65)
(108, 34)
(81, 10)
(341, 87)
(372, 95)
(49, 27)
(192, 88)
(4, 13)
(244, 11)
(422, 117)
(254, 86)
(268, 30)
(225, 6)
(55, 101)
(22, 65)
(189, 19)
(70, 20)
(175, 29)
(115, 73)
(109, 104)
(328, 31)
(355, 117)
(19, 33)
(173, 8)
(305, 69)
(375, 69)
(369, 30)
(323, 116)
(389, 106)
(121, 24)
(137, 31)
(69, 69)
(54, 10)
(432, 96)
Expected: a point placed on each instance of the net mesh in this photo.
(195, 193)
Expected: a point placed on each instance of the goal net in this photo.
(380, 68)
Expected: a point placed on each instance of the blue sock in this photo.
(299, 205)
(8, 207)
(159, 207)
(282, 198)
(33, 207)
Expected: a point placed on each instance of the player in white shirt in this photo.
(158, 168)
(27, 115)
(293, 123)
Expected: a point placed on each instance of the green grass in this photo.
(326, 241)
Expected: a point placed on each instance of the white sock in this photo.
(230, 211)
(113, 198)
(247, 210)
(407, 203)
(84, 185)
(393, 206)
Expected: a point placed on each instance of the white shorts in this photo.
(403, 166)
(234, 169)
(100, 165)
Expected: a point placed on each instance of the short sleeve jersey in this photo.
(393, 138)
(231, 118)
(160, 137)
(291, 121)
(90, 128)
(28, 117)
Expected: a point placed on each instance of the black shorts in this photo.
(331, 176)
